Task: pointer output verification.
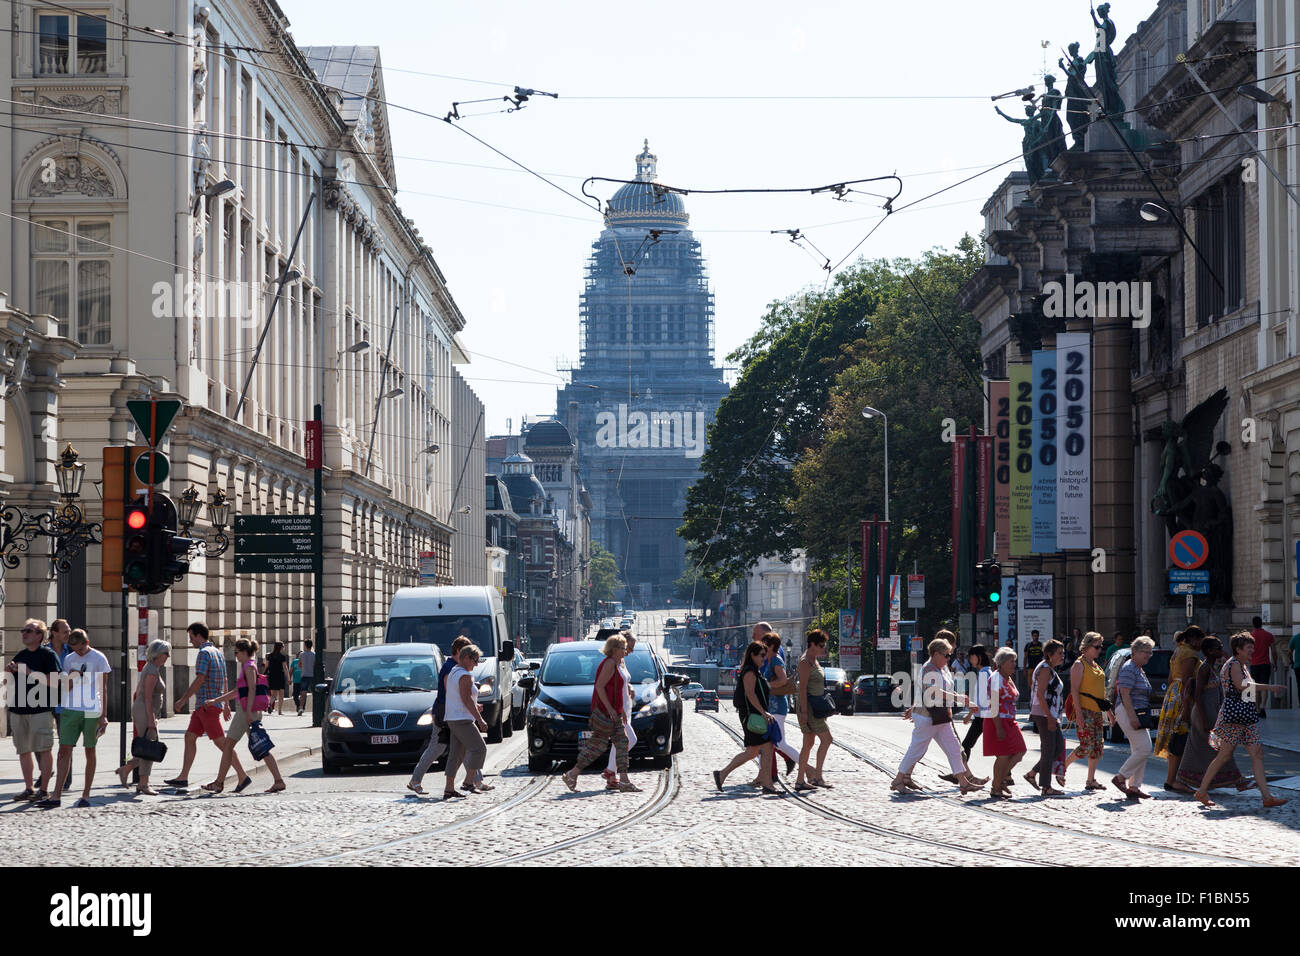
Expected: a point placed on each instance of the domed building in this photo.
(646, 386)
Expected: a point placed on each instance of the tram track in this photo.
(1038, 825)
(880, 830)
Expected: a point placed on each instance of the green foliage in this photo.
(604, 574)
(791, 463)
(693, 588)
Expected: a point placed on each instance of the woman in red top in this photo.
(1006, 743)
(607, 702)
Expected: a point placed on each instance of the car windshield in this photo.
(833, 673)
(1158, 666)
(575, 668)
(387, 674)
(442, 630)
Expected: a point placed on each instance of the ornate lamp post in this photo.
(67, 525)
(218, 513)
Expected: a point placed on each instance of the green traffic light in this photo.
(995, 597)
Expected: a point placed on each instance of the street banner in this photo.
(1007, 614)
(1074, 426)
(1022, 459)
(428, 568)
(882, 582)
(893, 642)
(966, 541)
(1033, 606)
(850, 640)
(1000, 405)
(983, 474)
(958, 473)
(867, 583)
(1043, 517)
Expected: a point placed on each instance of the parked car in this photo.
(839, 688)
(625, 624)
(883, 692)
(521, 698)
(691, 690)
(380, 705)
(561, 709)
(706, 700)
(671, 622)
(438, 615)
(608, 624)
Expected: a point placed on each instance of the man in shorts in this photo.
(59, 632)
(205, 720)
(31, 719)
(85, 678)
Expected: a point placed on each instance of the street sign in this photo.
(916, 590)
(275, 543)
(277, 563)
(1189, 582)
(1188, 549)
(428, 567)
(277, 524)
(158, 461)
(153, 418)
(311, 444)
(1190, 604)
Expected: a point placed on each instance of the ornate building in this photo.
(646, 386)
(266, 178)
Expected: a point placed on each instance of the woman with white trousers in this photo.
(610, 773)
(931, 719)
(1133, 691)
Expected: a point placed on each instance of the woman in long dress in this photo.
(1202, 701)
(1171, 732)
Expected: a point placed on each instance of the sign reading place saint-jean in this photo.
(283, 544)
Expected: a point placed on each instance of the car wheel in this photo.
(329, 767)
(508, 725)
(539, 764)
(678, 743)
(495, 731)
(519, 717)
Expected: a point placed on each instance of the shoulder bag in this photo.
(756, 724)
(146, 749)
(821, 707)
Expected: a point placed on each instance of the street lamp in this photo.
(870, 412)
(218, 513)
(66, 526)
(393, 393)
(355, 347)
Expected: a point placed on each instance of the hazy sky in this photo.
(757, 94)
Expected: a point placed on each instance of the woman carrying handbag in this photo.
(146, 707)
(1133, 711)
(931, 717)
(751, 701)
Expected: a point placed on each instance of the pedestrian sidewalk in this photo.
(294, 738)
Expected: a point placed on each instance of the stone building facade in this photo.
(158, 195)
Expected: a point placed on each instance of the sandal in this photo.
(1029, 779)
(628, 787)
(570, 782)
(146, 791)
(1060, 778)
(970, 787)
(122, 774)
(821, 782)
(950, 778)
(805, 787)
(416, 789)
(452, 795)
(1093, 785)
(1203, 798)
(717, 780)
(1052, 792)
(214, 787)
(1275, 801)
(773, 790)
(276, 788)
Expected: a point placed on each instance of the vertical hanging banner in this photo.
(1020, 493)
(958, 473)
(1073, 494)
(1007, 614)
(882, 589)
(1034, 606)
(1000, 403)
(1042, 532)
(983, 475)
(893, 642)
(868, 606)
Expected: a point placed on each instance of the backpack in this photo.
(738, 695)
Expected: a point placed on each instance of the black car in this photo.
(561, 708)
(380, 705)
(883, 692)
(706, 700)
(839, 689)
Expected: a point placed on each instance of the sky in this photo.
(730, 95)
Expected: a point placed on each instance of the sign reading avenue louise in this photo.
(277, 544)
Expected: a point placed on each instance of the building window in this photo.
(71, 43)
(72, 267)
(1221, 236)
(774, 596)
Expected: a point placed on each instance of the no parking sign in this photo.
(1188, 550)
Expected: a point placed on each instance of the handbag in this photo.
(259, 741)
(756, 724)
(940, 715)
(1103, 704)
(821, 707)
(1146, 720)
(147, 749)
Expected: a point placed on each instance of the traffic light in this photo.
(988, 584)
(118, 462)
(135, 546)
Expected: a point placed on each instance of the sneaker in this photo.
(25, 796)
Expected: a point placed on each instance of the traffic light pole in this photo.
(124, 696)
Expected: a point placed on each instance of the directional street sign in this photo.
(1189, 582)
(153, 418)
(277, 524)
(275, 543)
(276, 563)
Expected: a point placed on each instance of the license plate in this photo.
(383, 739)
(583, 736)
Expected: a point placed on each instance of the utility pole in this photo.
(318, 698)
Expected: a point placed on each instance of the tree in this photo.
(790, 461)
(604, 574)
(692, 588)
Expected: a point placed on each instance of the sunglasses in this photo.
(30, 630)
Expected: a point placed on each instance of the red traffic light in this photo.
(136, 519)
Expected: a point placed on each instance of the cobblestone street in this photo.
(367, 818)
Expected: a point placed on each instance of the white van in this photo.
(438, 615)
